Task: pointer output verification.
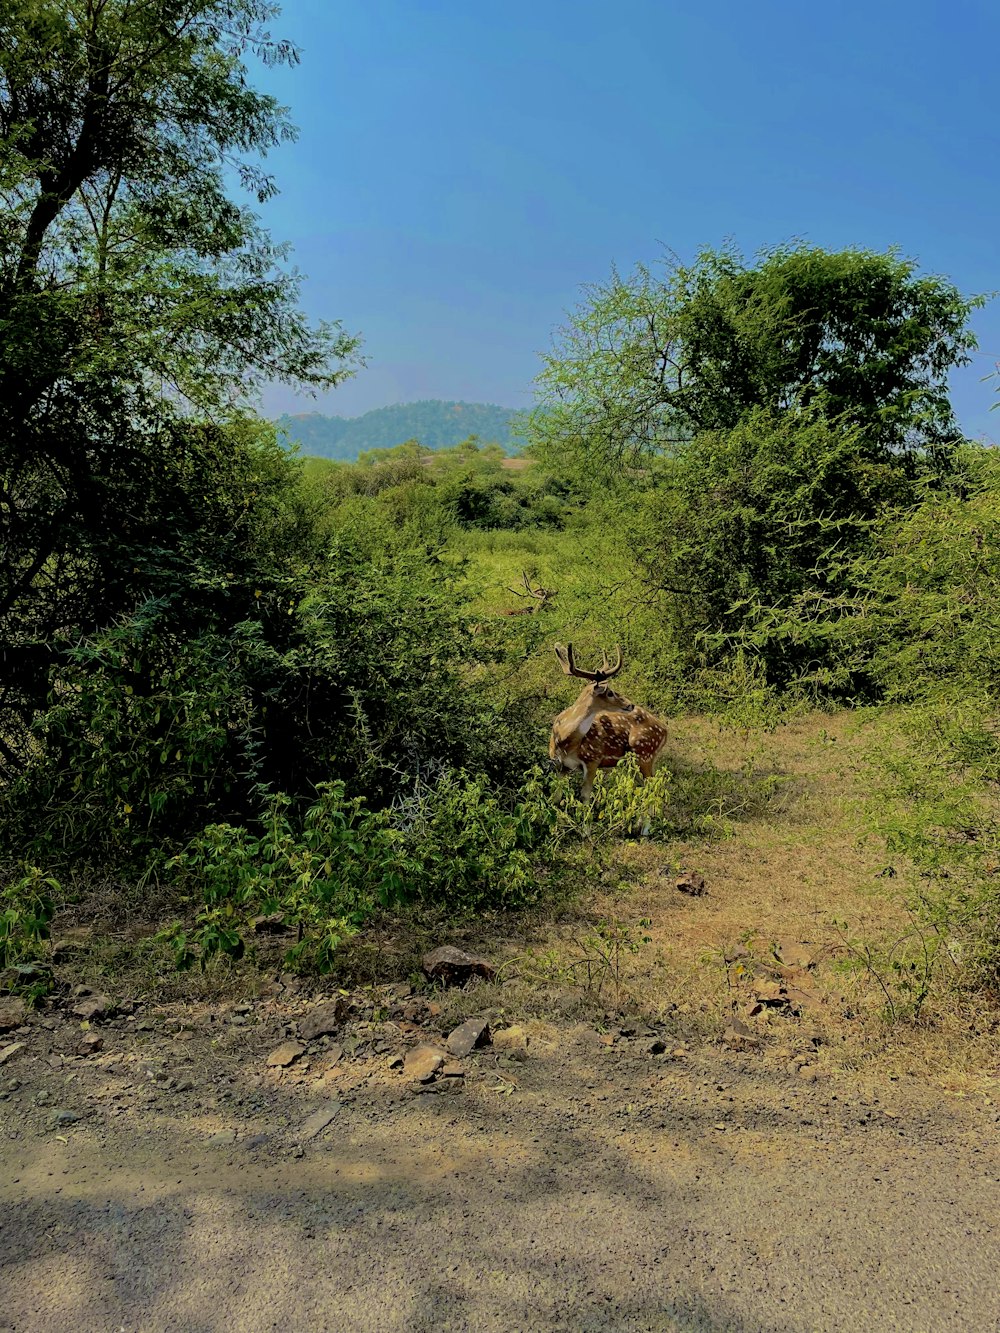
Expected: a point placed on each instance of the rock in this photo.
(93, 1007)
(324, 1020)
(511, 1041)
(62, 1117)
(183, 1085)
(738, 1036)
(285, 1054)
(793, 953)
(771, 993)
(472, 1033)
(454, 967)
(691, 882)
(452, 1071)
(90, 1044)
(807, 1074)
(439, 1086)
(803, 999)
(422, 1063)
(223, 1139)
(10, 1051)
(13, 1012)
(317, 1122)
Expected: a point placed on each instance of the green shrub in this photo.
(451, 842)
(27, 905)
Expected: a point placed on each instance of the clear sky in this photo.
(464, 168)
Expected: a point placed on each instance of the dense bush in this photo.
(450, 840)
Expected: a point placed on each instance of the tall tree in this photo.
(133, 289)
(654, 359)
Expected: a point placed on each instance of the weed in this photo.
(27, 906)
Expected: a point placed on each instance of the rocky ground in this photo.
(309, 1160)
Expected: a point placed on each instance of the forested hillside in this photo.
(434, 424)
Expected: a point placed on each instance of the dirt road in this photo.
(595, 1183)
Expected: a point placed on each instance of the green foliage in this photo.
(470, 849)
(131, 287)
(937, 805)
(924, 616)
(748, 526)
(181, 714)
(323, 878)
(623, 805)
(451, 842)
(650, 361)
(27, 905)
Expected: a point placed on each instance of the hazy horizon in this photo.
(463, 173)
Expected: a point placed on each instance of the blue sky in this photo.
(464, 169)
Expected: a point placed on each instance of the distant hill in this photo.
(437, 425)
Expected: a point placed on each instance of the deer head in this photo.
(599, 689)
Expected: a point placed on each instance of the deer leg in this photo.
(646, 767)
(587, 790)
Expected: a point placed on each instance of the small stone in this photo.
(801, 999)
(222, 1139)
(10, 1051)
(738, 1036)
(56, 1119)
(793, 953)
(183, 1085)
(452, 1071)
(324, 1020)
(285, 1054)
(318, 1121)
(90, 1044)
(422, 1063)
(691, 883)
(771, 993)
(807, 1074)
(454, 967)
(472, 1033)
(511, 1041)
(93, 1007)
(13, 1012)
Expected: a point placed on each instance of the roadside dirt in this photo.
(587, 1179)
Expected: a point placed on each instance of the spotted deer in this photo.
(602, 726)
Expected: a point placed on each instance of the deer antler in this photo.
(565, 656)
(539, 593)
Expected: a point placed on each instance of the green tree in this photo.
(133, 291)
(649, 361)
